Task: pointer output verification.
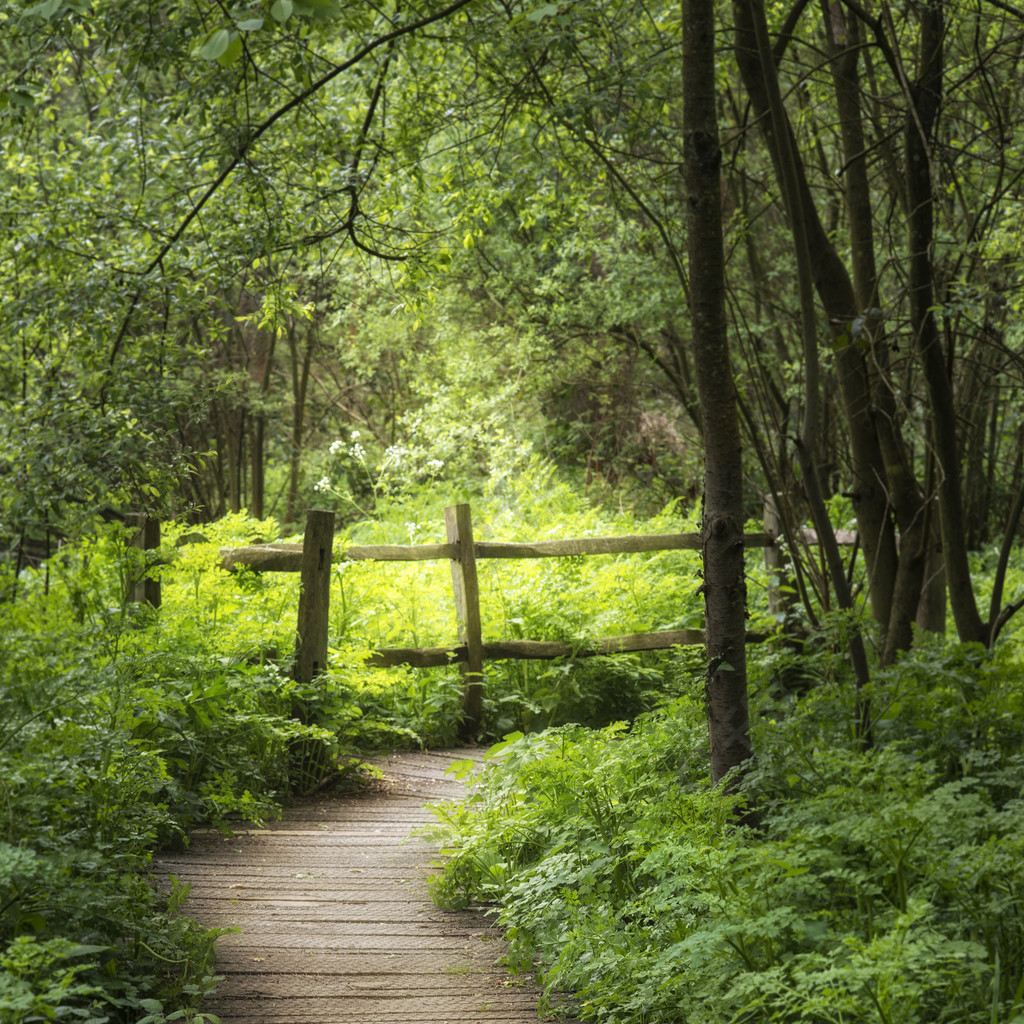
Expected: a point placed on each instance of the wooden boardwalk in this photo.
(337, 926)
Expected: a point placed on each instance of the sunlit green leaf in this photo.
(46, 10)
(215, 44)
(281, 11)
(547, 11)
(232, 53)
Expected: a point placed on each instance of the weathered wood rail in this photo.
(315, 556)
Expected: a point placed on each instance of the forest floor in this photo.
(335, 921)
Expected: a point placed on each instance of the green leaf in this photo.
(499, 748)
(250, 24)
(83, 949)
(547, 11)
(232, 53)
(461, 768)
(47, 9)
(215, 44)
(281, 10)
(316, 8)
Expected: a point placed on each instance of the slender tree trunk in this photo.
(807, 443)
(259, 432)
(924, 99)
(724, 586)
(905, 497)
(836, 292)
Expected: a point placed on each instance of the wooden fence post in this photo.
(146, 590)
(774, 561)
(459, 528)
(314, 595)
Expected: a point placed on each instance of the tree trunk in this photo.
(924, 99)
(724, 586)
(259, 430)
(807, 443)
(836, 292)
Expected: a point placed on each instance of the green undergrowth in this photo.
(574, 600)
(882, 886)
(122, 728)
(409, 604)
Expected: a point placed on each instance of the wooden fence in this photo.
(314, 557)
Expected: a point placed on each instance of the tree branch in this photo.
(259, 131)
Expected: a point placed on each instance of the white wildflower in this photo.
(323, 484)
(336, 447)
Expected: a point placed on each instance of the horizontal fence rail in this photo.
(288, 557)
(314, 559)
(540, 650)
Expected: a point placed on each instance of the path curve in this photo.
(337, 926)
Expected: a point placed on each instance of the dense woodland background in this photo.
(596, 267)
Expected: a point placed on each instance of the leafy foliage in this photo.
(123, 727)
(882, 886)
(121, 730)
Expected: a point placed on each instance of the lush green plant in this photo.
(882, 886)
(571, 599)
(120, 729)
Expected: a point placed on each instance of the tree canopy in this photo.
(238, 234)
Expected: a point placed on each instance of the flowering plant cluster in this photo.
(398, 468)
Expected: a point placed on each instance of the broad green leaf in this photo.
(250, 24)
(83, 949)
(281, 10)
(461, 768)
(499, 748)
(547, 11)
(232, 53)
(47, 9)
(215, 44)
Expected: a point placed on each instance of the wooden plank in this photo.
(626, 644)
(499, 650)
(263, 558)
(605, 545)
(314, 595)
(466, 588)
(417, 657)
(288, 557)
(398, 552)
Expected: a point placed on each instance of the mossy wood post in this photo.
(314, 595)
(146, 538)
(459, 528)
